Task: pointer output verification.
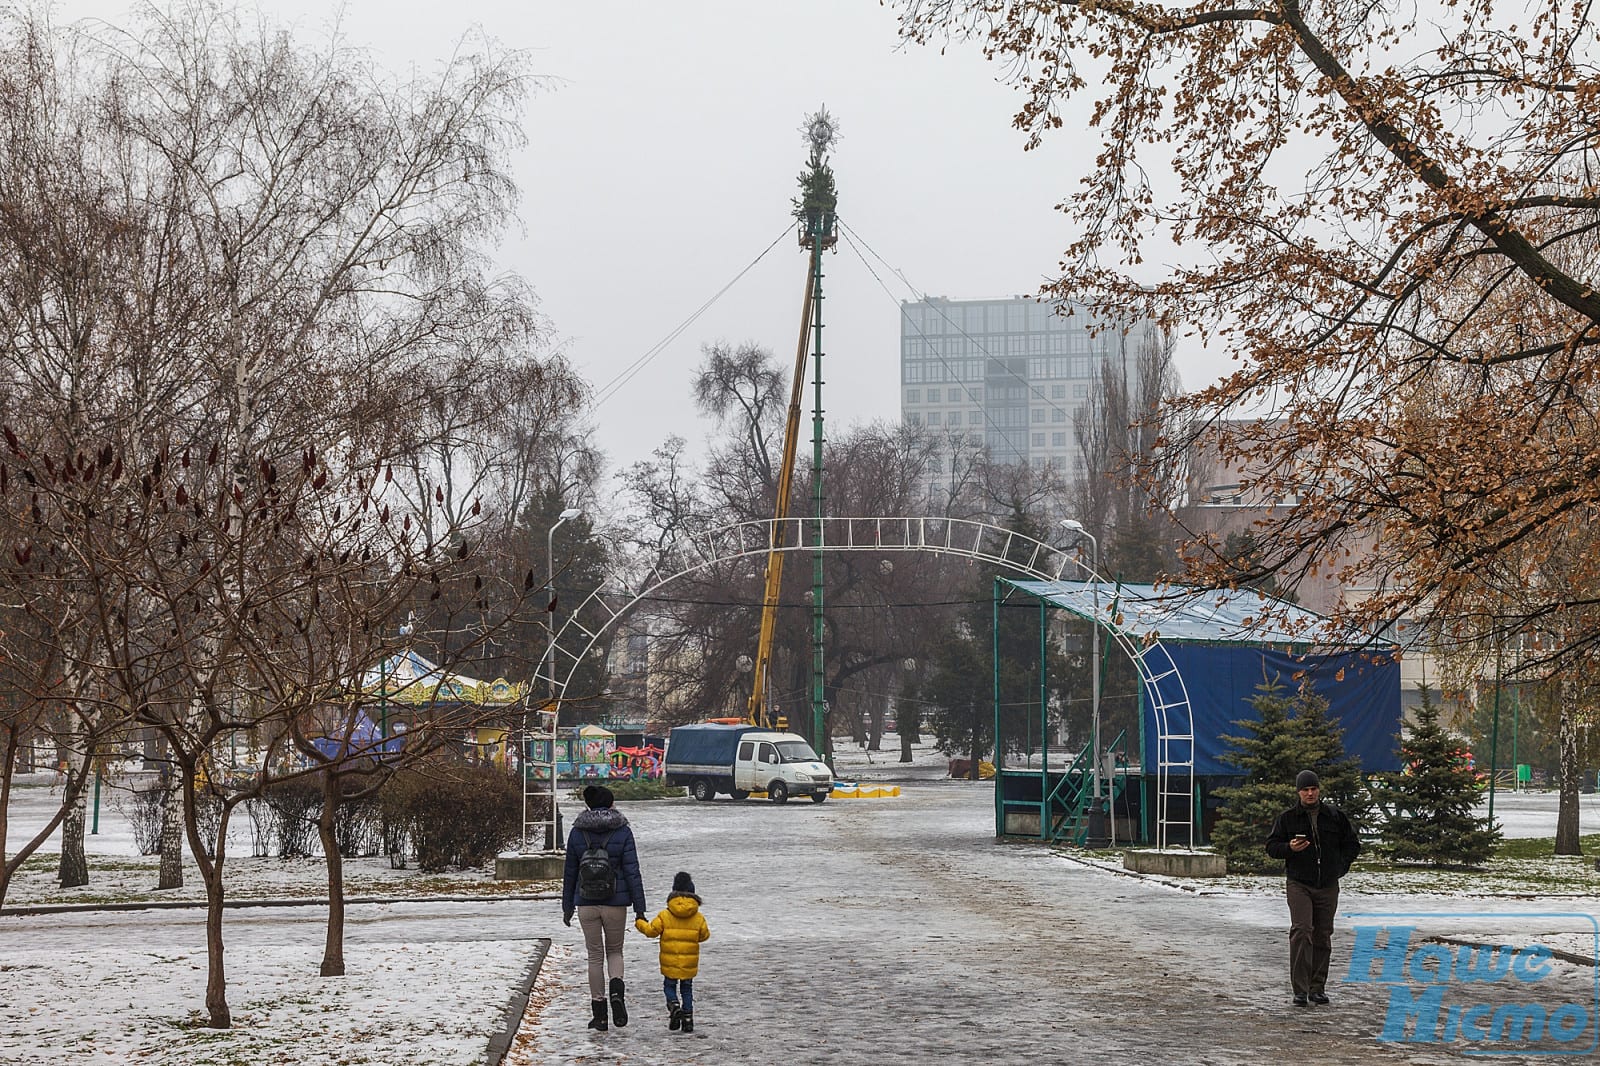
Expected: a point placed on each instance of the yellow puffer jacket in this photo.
(681, 927)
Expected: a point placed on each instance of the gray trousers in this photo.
(602, 936)
(1310, 935)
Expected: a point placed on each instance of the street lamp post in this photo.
(553, 841)
(1072, 525)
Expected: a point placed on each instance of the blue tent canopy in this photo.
(1225, 644)
(364, 740)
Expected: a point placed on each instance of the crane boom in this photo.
(755, 714)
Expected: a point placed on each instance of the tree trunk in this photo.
(905, 747)
(875, 728)
(1571, 778)
(74, 868)
(171, 845)
(218, 1016)
(333, 943)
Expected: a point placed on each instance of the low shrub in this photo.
(454, 815)
(642, 788)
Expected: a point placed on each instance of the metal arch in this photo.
(1174, 726)
(962, 537)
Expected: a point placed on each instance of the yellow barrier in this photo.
(866, 793)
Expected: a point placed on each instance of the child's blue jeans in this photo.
(676, 988)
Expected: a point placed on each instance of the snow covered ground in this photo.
(877, 931)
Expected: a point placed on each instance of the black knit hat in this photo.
(1307, 779)
(683, 883)
(598, 797)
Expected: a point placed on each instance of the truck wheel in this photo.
(818, 797)
(702, 790)
(778, 792)
(740, 793)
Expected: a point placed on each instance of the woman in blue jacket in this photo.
(600, 882)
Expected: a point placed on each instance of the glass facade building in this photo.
(1011, 374)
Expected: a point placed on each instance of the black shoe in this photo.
(619, 1007)
(688, 1021)
(1300, 1000)
(599, 1019)
(675, 1017)
(1319, 998)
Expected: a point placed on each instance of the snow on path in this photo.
(897, 931)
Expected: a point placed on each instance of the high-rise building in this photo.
(1010, 374)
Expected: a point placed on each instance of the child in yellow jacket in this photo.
(681, 927)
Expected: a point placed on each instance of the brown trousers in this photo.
(602, 938)
(1310, 935)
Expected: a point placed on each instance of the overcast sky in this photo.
(662, 157)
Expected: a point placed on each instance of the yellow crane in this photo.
(757, 714)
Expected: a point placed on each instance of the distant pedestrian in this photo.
(1318, 844)
(681, 928)
(601, 880)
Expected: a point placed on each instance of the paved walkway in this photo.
(897, 931)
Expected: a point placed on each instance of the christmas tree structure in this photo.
(1431, 800)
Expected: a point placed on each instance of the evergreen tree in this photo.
(1290, 734)
(1431, 800)
(1269, 754)
(1323, 746)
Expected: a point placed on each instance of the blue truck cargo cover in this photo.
(708, 744)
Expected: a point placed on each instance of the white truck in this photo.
(737, 760)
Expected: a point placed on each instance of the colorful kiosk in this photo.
(583, 753)
(1200, 656)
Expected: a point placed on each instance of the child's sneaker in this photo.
(675, 1021)
(688, 1021)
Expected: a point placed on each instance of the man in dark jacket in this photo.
(1317, 844)
(602, 918)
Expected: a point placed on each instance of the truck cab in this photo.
(781, 765)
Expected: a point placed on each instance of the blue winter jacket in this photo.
(593, 826)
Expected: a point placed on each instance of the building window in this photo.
(1058, 392)
(1058, 415)
(1058, 440)
(1038, 414)
(974, 418)
(1038, 440)
(1080, 392)
(933, 418)
(933, 395)
(914, 418)
(913, 396)
(936, 465)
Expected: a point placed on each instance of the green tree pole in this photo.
(816, 209)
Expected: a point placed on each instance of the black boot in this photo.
(619, 1008)
(599, 1019)
(688, 1021)
(674, 1017)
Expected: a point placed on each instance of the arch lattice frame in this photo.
(961, 537)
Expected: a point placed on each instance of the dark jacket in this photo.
(593, 826)
(1334, 844)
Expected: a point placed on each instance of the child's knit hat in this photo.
(683, 883)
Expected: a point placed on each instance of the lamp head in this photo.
(570, 513)
(1072, 525)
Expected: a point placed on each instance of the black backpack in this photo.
(597, 878)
